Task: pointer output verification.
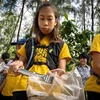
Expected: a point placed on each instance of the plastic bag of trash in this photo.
(66, 87)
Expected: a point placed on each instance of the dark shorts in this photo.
(5, 97)
(93, 95)
(19, 95)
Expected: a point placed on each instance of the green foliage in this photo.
(7, 25)
(28, 36)
(1, 2)
(77, 42)
(68, 27)
(66, 16)
(9, 4)
(12, 52)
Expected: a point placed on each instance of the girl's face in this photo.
(46, 20)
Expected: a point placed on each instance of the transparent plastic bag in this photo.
(67, 87)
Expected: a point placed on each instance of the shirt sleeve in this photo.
(65, 53)
(95, 46)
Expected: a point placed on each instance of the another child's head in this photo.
(83, 57)
(46, 22)
(5, 56)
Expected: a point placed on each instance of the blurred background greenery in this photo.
(79, 23)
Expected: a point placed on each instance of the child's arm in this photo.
(2, 85)
(62, 64)
(14, 66)
(61, 68)
(96, 62)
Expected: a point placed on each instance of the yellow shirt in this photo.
(91, 84)
(11, 81)
(42, 69)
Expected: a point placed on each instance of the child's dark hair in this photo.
(5, 56)
(85, 56)
(55, 33)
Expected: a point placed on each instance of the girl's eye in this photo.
(49, 19)
(41, 18)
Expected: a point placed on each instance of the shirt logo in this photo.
(50, 50)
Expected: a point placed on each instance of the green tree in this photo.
(77, 33)
(6, 29)
(77, 42)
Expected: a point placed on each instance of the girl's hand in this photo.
(5, 72)
(16, 65)
(59, 71)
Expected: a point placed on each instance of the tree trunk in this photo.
(83, 15)
(92, 15)
(21, 14)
